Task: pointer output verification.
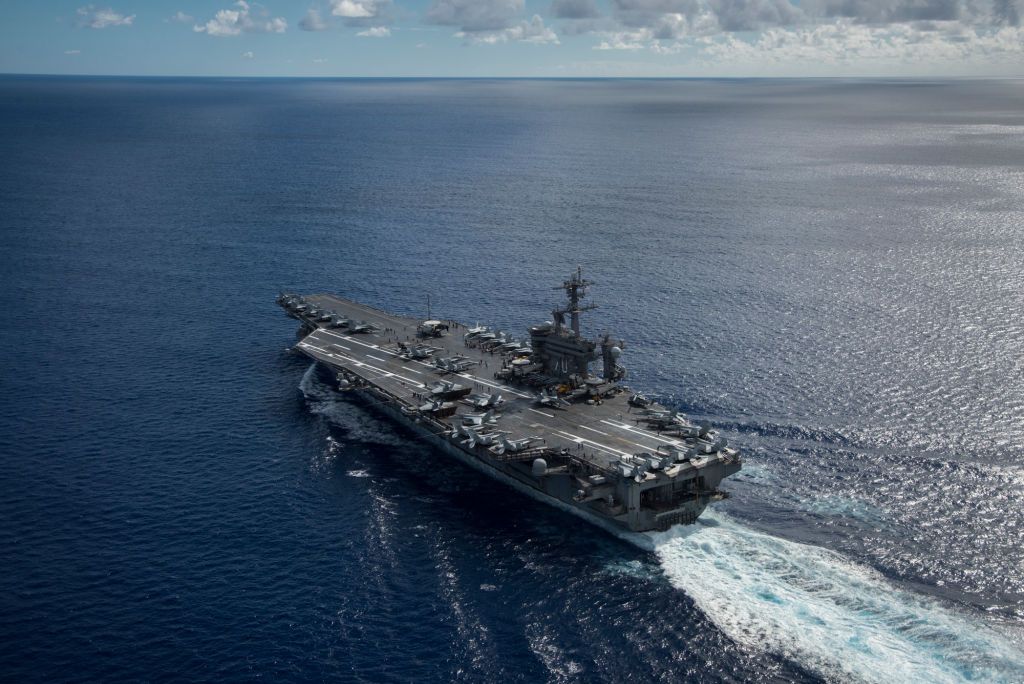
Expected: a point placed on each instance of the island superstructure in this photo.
(531, 413)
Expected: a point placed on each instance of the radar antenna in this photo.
(575, 288)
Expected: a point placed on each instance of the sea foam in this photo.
(840, 619)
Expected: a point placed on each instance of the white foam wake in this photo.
(324, 400)
(810, 604)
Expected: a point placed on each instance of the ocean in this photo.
(830, 271)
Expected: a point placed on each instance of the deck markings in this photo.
(643, 433)
(349, 338)
(504, 388)
(468, 376)
(597, 445)
(387, 373)
(362, 364)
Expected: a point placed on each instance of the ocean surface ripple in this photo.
(830, 271)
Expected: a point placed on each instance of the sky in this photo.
(547, 38)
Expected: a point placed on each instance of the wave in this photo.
(842, 620)
(357, 424)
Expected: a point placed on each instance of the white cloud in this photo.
(72, 52)
(180, 17)
(532, 31)
(362, 12)
(98, 18)
(319, 60)
(248, 54)
(626, 40)
(312, 21)
(375, 32)
(353, 8)
(845, 42)
(665, 27)
(490, 21)
(756, 36)
(475, 15)
(232, 22)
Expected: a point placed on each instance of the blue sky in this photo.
(515, 37)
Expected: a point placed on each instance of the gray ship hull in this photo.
(496, 472)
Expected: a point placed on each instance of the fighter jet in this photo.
(288, 299)
(475, 332)
(665, 420)
(454, 364)
(639, 400)
(474, 436)
(484, 401)
(708, 443)
(362, 327)
(689, 429)
(487, 439)
(339, 321)
(480, 419)
(678, 424)
(417, 353)
(435, 406)
(514, 445)
(444, 387)
(550, 399)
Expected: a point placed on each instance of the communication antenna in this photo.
(575, 288)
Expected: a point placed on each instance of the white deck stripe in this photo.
(468, 376)
(386, 373)
(504, 388)
(597, 445)
(643, 432)
(349, 338)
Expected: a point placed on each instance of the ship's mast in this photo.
(575, 288)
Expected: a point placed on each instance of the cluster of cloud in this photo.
(844, 42)
(373, 15)
(375, 32)
(490, 21)
(802, 30)
(233, 22)
(737, 31)
(100, 18)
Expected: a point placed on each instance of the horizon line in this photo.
(251, 77)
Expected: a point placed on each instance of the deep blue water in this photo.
(831, 271)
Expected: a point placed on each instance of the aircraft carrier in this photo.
(531, 412)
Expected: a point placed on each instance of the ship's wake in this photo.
(842, 620)
(356, 423)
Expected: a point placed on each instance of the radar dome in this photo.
(540, 467)
(616, 352)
